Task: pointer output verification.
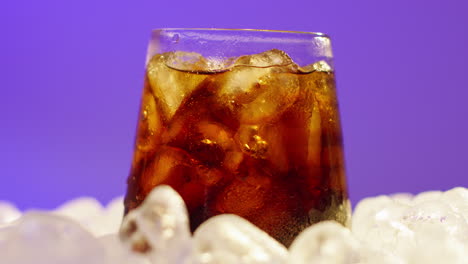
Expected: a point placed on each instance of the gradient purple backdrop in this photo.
(71, 74)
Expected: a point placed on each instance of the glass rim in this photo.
(291, 32)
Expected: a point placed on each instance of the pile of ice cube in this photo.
(431, 227)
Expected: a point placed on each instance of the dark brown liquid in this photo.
(262, 143)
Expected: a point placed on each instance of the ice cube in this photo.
(279, 92)
(389, 236)
(258, 86)
(434, 246)
(172, 86)
(159, 228)
(408, 229)
(85, 211)
(377, 221)
(47, 238)
(457, 198)
(315, 137)
(208, 152)
(195, 62)
(186, 61)
(295, 127)
(110, 219)
(244, 196)
(240, 85)
(321, 87)
(150, 122)
(183, 172)
(217, 133)
(436, 217)
(200, 120)
(404, 198)
(229, 239)
(169, 166)
(276, 142)
(437, 229)
(264, 142)
(211, 142)
(320, 66)
(369, 254)
(326, 243)
(270, 58)
(114, 212)
(8, 213)
(93, 216)
(117, 253)
(251, 142)
(426, 196)
(368, 211)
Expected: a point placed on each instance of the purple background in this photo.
(72, 71)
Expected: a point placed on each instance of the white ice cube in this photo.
(117, 253)
(8, 213)
(427, 196)
(44, 238)
(457, 198)
(230, 239)
(159, 227)
(325, 243)
(86, 210)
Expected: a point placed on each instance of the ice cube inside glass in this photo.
(242, 122)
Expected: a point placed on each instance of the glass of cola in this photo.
(243, 122)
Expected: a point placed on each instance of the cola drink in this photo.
(257, 136)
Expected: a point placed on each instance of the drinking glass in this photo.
(243, 122)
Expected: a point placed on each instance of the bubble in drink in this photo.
(259, 137)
